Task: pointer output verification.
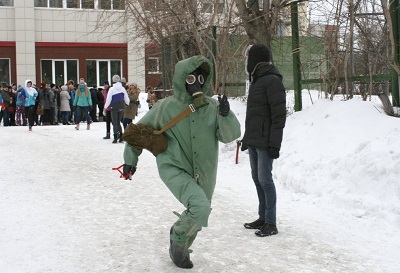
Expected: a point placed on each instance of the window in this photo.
(77, 4)
(40, 3)
(154, 65)
(6, 3)
(55, 3)
(59, 71)
(87, 4)
(152, 5)
(72, 4)
(207, 6)
(119, 4)
(5, 71)
(98, 71)
(105, 4)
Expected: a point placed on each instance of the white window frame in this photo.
(98, 83)
(158, 65)
(53, 69)
(96, 5)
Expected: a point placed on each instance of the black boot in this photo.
(179, 253)
(257, 224)
(120, 137)
(267, 230)
(115, 138)
(107, 136)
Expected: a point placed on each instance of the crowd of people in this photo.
(51, 104)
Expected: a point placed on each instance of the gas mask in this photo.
(194, 83)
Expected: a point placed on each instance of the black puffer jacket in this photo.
(266, 109)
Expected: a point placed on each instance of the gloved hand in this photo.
(223, 105)
(128, 171)
(273, 152)
(200, 101)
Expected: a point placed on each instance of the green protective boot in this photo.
(179, 250)
(179, 244)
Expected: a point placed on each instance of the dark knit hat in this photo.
(106, 82)
(258, 53)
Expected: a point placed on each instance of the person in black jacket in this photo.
(265, 120)
(95, 102)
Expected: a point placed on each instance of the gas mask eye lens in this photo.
(200, 78)
(190, 79)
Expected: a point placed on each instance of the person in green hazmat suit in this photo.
(188, 166)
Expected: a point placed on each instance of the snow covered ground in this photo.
(62, 208)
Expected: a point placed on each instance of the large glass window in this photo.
(7, 3)
(76, 4)
(104, 4)
(98, 71)
(55, 3)
(72, 4)
(119, 4)
(59, 71)
(5, 71)
(40, 3)
(87, 4)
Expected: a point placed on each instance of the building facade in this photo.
(55, 41)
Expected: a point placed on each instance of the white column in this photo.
(25, 40)
(136, 58)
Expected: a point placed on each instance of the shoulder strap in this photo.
(176, 119)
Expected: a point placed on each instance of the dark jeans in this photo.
(65, 116)
(6, 118)
(116, 117)
(30, 112)
(108, 122)
(82, 110)
(93, 113)
(261, 172)
(126, 122)
(48, 117)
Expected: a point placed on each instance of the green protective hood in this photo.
(184, 68)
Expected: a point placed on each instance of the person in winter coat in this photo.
(151, 97)
(131, 109)
(106, 111)
(65, 108)
(188, 166)
(13, 105)
(2, 107)
(100, 99)
(20, 109)
(7, 100)
(265, 120)
(71, 91)
(117, 98)
(30, 100)
(52, 97)
(95, 101)
(82, 104)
